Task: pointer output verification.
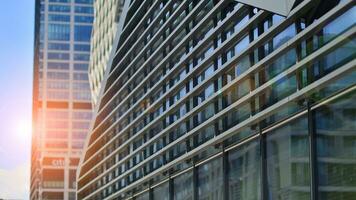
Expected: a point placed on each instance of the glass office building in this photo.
(218, 100)
(62, 108)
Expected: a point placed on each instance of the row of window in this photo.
(123, 107)
(51, 65)
(67, 9)
(90, 2)
(63, 134)
(152, 133)
(280, 90)
(165, 105)
(65, 76)
(276, 165)
(66, 56)
(135, 53)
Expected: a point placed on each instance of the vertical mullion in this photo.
(264, 182)
(195, 183)
(170, 189)
(150, 193)
(225, 176)
(312, 153)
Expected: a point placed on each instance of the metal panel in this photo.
(281, 7)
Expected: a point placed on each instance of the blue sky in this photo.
(16, 58)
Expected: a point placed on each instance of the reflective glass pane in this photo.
(183, 186)
(288, 167)
(244, 174)
(161, 192)
(336, 149)
(210, 180)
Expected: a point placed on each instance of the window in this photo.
(336, 148)
(58, 46)
(58, 75)
(183, 186)
(82, 33)
(84, 19)
(60, 1)
(84, 9)
(288, 167)
(80, 66)
(58, 8)
(57, 65)
(82, 115)
(161, 192)
(58, 56)
(82, 47)
(81, 57)
(80, 76)
(84, 1)
(244, 175)
(80, 125)
(58, 18)
(210, 180)
(58, 32)
(143, 196)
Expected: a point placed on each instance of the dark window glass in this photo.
(161, 192)
(58, 18)
(339, 25)
(210, 180)
(82, 47)
(80, 66)
(336, 149)
(58, 56)
(82, 33)
(81, 57)
(144, 196)
(244, 175)
(58, 32)
(83, 9)
(84, 19)
(84, 1)
(288, 167)
(60, 1)
(58, 8)
(80, 76)
(58, 46)
(183, 186)
(57, 65)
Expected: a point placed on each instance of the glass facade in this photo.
(105, 26)
(220, 100)
(62, 107)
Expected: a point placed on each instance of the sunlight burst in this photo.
(23, 129)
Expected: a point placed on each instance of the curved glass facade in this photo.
(220, 100)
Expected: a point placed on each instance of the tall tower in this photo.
(62, 107)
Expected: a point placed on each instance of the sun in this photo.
(23, 128)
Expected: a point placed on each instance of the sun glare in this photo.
(23, 128)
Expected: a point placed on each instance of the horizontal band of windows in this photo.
(162, 97)
(150, 91)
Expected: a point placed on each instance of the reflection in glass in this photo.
(244, 172)
(287, 150)
(183, 187)
(161, 192)
(210, 180)
(336, 149)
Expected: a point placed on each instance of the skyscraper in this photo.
(61, 96)
(209, 99)
(107, 15)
